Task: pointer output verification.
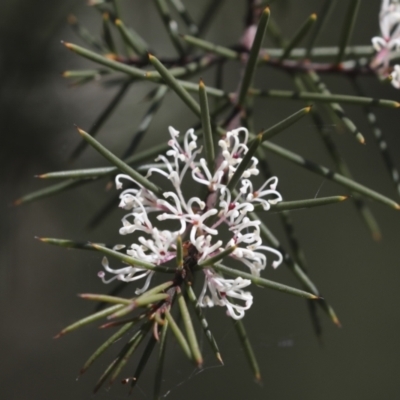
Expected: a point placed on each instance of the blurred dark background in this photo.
(38, 283)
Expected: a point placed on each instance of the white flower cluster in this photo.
(200, 222)
(389, 21)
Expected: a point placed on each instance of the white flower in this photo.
(196, 221)
(203, 244)
(221, 290)
(233, 210)
(253, 258)
(177, 152)
(126, 274)
(389, 22)
(233, 151)
(396, 76)
(213, 181)
(256, 196)
(140, 222)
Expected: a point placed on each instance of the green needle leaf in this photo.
(143, 361)
(107, 372)
(147, 299)
(336, 107)
(139, 179)
(322, 52)
(84, 34)
(170, 25)
(193, 87)
(107, 62)
(130, 260)
(200, 315)
(348, 26)
(105, 298)
(186, 17)
(323, 15)
(179, 252)
(245, 162)
(175, 85)
(282, 125)
(187, 70)
(160, 361)
(191, 335)
(102, 118)
(153, 295)
(209, 13)
(91, 318)
(66, 243)
(178, 335)
(328, 174)
(132, 39)
(342, 167)
(297, 251)
(264, 282)
(253, 56)
(298, 270)
(156, 99)
(324, 98)
(107, 35)
(116, 7)
(307, 203)
(380, 141)
(105, 171)
(132, 345)
(247, 347)
(299, 35)
(158, 289)
(85, 73)
(300, 274)
(79, 174)
(125, 328)
(211, 47)
(48, 191)
(275, 34)
(142, 301)
(206, 125)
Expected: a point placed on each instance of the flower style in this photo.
(197, 220)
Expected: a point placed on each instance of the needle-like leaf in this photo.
(112, 339)
(307, 203)
(348, 26)
(248, 348)
(178, 335)
(124, 167)
(298, 36)
(264, 282)
(328, 174)
(284, 124)
(132, 39)
(253, 56)
(191, 335)
(206, 124)
(324, 98)
(160, 361)
(200, 315)
(103, 117)
(170, 25)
